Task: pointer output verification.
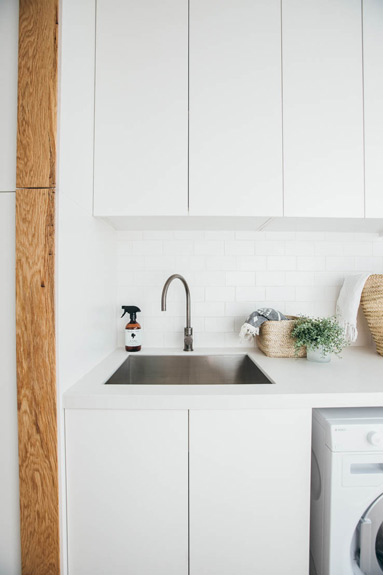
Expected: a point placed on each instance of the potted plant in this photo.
(321, 336)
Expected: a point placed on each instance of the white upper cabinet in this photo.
(9, 33)
(323, 107)
(235, 108)
(141, 107)
(373, 105)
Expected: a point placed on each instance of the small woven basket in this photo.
(372, 304)
(275, 339)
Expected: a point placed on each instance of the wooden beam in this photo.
(37, 94)
(36, 377)
(35, 287)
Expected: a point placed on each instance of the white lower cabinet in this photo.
(127, 492)
(250, 492)
(128, 477)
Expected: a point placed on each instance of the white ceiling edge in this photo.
(354, 225)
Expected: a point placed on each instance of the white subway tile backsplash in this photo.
(329, 248)
(293, 278)
(242, 309)
(220, 294)
(178, 247)
(232, 340)
(250, 235)
(231, 274)
(221, 263)
(185, 264)
(357, 249)
(377, 249)
(253, 263)
(329, 278)
(240, 278)
(313, 263)
(246, 293)
(300, 248)
(208, 309)
(239, 248)
(125, 236)
(317, 293)
(157, 235)
(334, 263)
(163, 262)
(221, 324)
(369, 264)
(147, 248)
(282, 263)
(284, 236)
(269, 248)
(220, 235)
(192, 235)
(209, 248)
(272, 278)
(285, 293)
(204, 339)
(207, 278)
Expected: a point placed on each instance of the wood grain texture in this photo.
(37, 94)
(36, 381)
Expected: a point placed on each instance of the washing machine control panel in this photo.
(375, 438)
(355, 437)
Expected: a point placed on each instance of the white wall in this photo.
(9, 35)
(233, 273)
(86, 246)
(10, 559)
(86, 250)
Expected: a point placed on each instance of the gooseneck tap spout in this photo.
(188, 331)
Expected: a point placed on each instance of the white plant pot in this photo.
(317, 355)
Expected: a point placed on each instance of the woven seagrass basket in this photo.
(372, 304)
(275, 339)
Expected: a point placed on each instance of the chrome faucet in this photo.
(188, 331)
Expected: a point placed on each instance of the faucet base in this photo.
(188, 339)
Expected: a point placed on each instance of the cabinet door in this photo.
(323, 108)
(249, 492)
(127, 492)
(9, 34)
(235, 108)
(141, 107)
(373, 105)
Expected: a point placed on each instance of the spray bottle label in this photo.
(133, 337)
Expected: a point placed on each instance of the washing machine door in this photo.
(371, 539)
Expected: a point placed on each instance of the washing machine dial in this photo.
(375, 438)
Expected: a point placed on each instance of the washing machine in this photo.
(346, 536)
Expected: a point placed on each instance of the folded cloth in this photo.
(348, 304)
(251, 326)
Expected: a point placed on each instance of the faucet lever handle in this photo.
(188, 339)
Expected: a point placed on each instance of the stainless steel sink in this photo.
(188, 370)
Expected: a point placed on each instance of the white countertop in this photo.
(354, 380)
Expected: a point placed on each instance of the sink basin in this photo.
(188, 370)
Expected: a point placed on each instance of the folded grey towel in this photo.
(251, 326)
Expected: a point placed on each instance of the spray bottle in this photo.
(132, 329)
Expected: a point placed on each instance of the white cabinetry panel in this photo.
(9, 34)
(235, 108)
(127, 485)
(249, 492)
(323, 108)
(373, 105)
(141, 107)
